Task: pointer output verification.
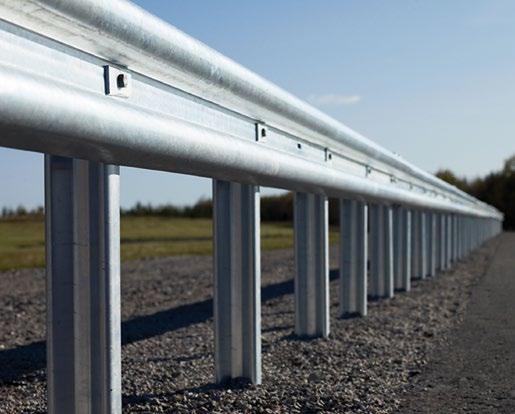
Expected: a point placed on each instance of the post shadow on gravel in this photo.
(23, 360)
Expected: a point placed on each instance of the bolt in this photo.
(122, 80)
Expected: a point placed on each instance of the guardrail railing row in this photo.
(95, 85)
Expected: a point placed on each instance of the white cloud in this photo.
(333, 99)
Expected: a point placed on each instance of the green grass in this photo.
(22, 242)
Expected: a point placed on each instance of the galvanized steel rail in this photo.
(96, 84)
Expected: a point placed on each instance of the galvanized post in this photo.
(455, 239)
(353, 258)
(398, 249)
(388, 289)
(415, 242)
(406, 246)
(431, 244)
(237, 281)
(438, 241)
(471, 234)
(477, 229)
(448, 242)
(422, 246)
(468, 236)
(83, 286)
(442, 241)
(312, 265)
(463, 232)
(458, 237)
(377, 253)
(463, 236)
(477, 232)
(479, 222)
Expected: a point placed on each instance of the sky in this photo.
(431, 80)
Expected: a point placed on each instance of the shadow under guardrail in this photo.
(26, 359)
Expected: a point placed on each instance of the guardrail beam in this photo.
(312, 265)
(353, 258)
(83, 286)
(237, 281)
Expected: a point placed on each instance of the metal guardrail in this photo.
(96, 84)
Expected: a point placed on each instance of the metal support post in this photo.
(431, 244)
(458, 237)
(388, 289)
(312, 265)
(377, 253)
(353, 258)
(471, 234)
(448, 242)
(406, 247)
(398, 251)
(438, 241)
(83, 286)
(415, 242)
(463, 242)
(422, 246)
(455, 238)
(237, 281)
(442, 241)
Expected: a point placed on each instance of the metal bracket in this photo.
(117, 82)
(261, 132)
(328, 155)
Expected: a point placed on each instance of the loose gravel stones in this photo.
(363, 367)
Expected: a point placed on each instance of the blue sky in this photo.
(431, 80)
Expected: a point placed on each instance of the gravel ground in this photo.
(366, 366)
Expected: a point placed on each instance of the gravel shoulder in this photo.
(367, 365)
(475, 370)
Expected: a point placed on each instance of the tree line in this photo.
(496, 189)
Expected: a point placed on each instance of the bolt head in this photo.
(122, 80)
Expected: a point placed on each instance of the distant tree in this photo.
(21, 211)
(277, 208)
(451, 178)
(497, 189)
(202, 208)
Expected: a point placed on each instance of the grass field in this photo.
(22, 242)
